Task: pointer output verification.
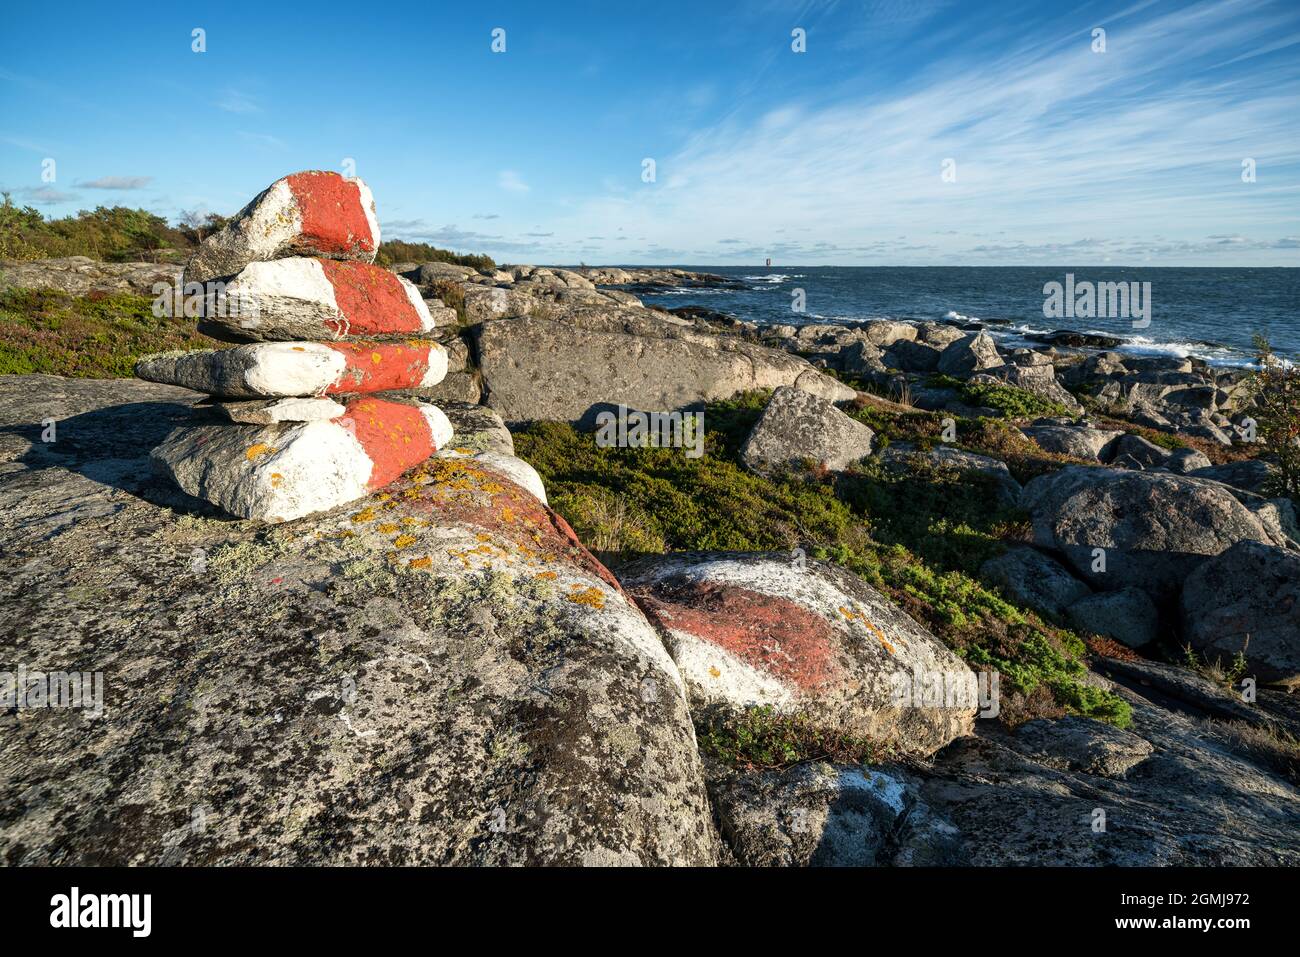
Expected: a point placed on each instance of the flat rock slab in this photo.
(824, 815)
(797, 425)
(275, 411)
(277, 473)
(312, 213)
(757, 628)
(439, 675)
(313, 299)
(289, 369)
(572, 367)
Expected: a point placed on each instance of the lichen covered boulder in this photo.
(804, 637)
(1246, 602)
(797, 426)
(1143, 529)
(312, 213)
(438, 675)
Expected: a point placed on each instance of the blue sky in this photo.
(1062, 155)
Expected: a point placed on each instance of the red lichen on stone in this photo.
(380, 366)
(372, 300)
(395, 436)
(333, 219)
(773, 634)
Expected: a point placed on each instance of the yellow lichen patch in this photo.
(425, 562)
(861, 616)
(258, 450)
(507, 514)
(276, 479)
(365, 515)
(388, 528)
(404, 541)
(546, 576)
(592, 597)
(376, 357)
(383, 496)
(413, 522)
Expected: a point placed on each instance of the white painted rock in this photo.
(760, 629)
(514, 468)
(314, 299)
(286, 369)
(281, 472)
(313, 213)
(273, 411)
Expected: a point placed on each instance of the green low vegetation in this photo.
(1013, 402)
(916, 536)
(98, 336)
(763, 738)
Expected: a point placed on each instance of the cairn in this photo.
(305, 419)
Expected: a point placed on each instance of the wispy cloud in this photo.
(263, 139)
(236, 101)
(43, 195)
(117, 182)
(511, 181)
(1047, 139)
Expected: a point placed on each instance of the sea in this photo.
(1210, 313)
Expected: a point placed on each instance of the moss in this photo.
(918, 537)
(762, 737)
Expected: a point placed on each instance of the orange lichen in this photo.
(591, 596)
(425, 562)
(404, 541)
(365, 515)
(258, 450)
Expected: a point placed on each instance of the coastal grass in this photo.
(919, 538)
(97, 336)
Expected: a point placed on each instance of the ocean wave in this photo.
(773, 278)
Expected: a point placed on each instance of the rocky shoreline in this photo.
(445, 674)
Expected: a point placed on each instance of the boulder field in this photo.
(442, 674)
(428, 666)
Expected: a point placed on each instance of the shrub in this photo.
(1275, 400)
(396, 251)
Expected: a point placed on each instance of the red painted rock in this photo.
(315, 299)
(313, 213)
(284, 369)
(281, 472)
(805, 637)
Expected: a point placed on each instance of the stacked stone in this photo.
(306, 423)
